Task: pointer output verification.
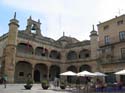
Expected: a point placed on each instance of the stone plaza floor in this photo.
(19, 88)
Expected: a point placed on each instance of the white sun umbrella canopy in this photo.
(99, 74)
(85, 73)
(68, 73)
(122, 72)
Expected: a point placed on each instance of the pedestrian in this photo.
(56, 82)
(5, 80)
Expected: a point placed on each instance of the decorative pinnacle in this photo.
(93, 27)
(63, 33)
(15, 15)
(39, 20)
(30, 17)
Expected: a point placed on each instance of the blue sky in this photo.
(74, 17)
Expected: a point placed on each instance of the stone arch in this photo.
(71, 55)
(40, 72)
(71, 79)
(22, 70)
(85, 53)
(40, 51)
(54, 71)
(55, 54)
(25, 48)
(85, 67)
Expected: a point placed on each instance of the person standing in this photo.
(4, 80)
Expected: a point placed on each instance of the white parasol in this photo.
(85, 73)
(68, 73)
(121, 72)
(99, 74)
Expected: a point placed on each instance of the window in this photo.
(84, 54)
(21, 74)
(106, 27)
(123, 53)
(103, 50)
(120, 22)
(107, 40)
(122, 35)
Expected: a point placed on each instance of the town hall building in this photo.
(28, 52)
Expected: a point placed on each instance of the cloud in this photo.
(109, 9)
(74, 17)
(72, 13)
(44, 6)
(1, 30)
(65, 7)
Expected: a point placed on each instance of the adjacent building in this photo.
(112, 47)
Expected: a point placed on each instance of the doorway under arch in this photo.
(37, 76)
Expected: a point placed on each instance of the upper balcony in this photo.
(112, 41)
(36, 57)
(111, 60)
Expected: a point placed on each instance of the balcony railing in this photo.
(113, 40)
(36, 57)
(111, 60)
(24, 55)
(79, 60)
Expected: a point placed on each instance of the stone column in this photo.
(33, 67)
(48, 72)
(10, 50)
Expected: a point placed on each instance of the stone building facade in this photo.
(27, 52)
(112, 47)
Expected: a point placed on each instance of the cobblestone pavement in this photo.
(19, 88)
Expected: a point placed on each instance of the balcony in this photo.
(111, 60)
(22, 54)
(79, 60)
(36, 57)
(113, 41)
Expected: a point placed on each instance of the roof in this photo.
(68, 39)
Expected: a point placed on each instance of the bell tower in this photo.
(10, 50)
(33, 27)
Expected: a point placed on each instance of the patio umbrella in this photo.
(121, 72)
(68, 73)
(85, 73)
(99, 74)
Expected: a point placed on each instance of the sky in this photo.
(74, 17)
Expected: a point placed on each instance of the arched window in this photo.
(71, 55)
(85, 67)
(55, 54)
(40, 51)
(24, 48)
(84, 54)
